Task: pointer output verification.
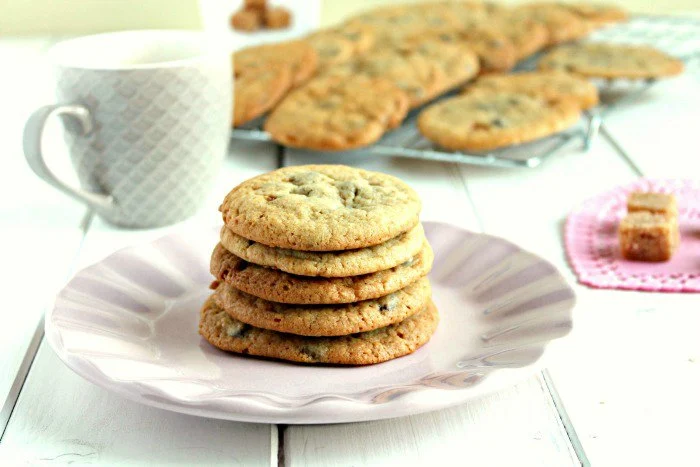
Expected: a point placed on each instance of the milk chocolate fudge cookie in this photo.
(423, 69)
(282, 287)
(396, 340)
(601, 60)
(561, 24)
(324, 320)
(321, 208)
(298, 55)
(486, 120)
(550, 85)
(375, 258)
(256, 91)
(332, 113)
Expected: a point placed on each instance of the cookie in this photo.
(396, 22)
(549, 85)
(561, 24)
(277, 286)
(601, 60)
(423, 69)
(298, 55)
(321, 208)
(256, 91)
(396, 340)
(332, 113)
(375, 258)
(597, 13)
(485, 120)
(495, 51)
(361, 37)
(527, 36)
(331, 48)
(324, 320)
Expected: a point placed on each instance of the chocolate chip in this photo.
(241, 266)
(310, 352)
(498, 123)
(238, 330)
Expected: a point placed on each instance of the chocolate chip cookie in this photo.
(375, 258)
(423, 68)
(561, 24)
(257, 90)
(496, 52)
(332, 113)
(602, 60)
(598, 14)
(486, 120)
(298, 55)
(321, 208)
(277, 286)
(324, 320)
(396, 340)
(549, 85)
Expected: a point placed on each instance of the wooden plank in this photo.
(613, 371)
(41, 229)
(61, 417)
(521, 417)
(64, 419)
(513, 419)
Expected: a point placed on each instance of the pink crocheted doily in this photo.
(594, 253)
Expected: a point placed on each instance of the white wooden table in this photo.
(622, 389)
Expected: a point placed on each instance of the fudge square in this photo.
(658, 203)
(647, 236)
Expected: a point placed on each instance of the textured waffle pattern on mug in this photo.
(592, 244)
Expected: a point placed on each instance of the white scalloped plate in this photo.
(129, 325)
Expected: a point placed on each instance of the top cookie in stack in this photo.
(321, 264)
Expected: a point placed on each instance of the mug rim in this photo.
(209, 48)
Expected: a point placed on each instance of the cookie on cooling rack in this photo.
(610, 61)
(598, 14)
(485, 120)
(552, 85)
(334, 113)
(299, 55)
(256, 91)
(561, 24)
(496, 52)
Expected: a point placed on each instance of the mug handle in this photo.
(33, 131)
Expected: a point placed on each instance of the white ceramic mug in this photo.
(147, 120)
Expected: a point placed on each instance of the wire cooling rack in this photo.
(677, 36)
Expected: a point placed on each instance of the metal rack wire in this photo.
(678, 36)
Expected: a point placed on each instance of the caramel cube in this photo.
(277, 18)
(246, 20)
(255, 5)
(647, 236)
(658, 203)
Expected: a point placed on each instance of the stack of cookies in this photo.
(321, 264)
